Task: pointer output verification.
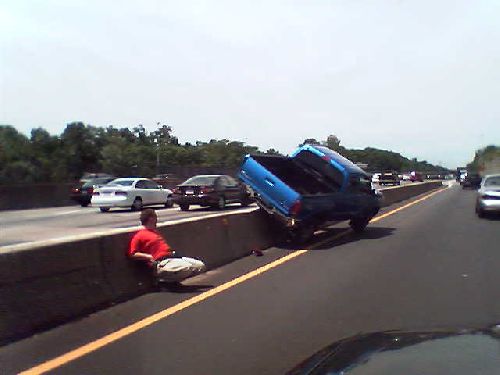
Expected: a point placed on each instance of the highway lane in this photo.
(432, 264)
(22, 226)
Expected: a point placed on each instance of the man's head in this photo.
(148, 218)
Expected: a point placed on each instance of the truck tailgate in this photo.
(270, 190)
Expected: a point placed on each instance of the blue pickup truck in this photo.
(311, 188)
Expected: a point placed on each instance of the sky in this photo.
(420, 77)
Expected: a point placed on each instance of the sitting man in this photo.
(149, 246)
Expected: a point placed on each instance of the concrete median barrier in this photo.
(396, 194)
(58, 280)
(48, 284)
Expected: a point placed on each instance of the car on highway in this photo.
(389, 178)
(416, 177)
(488, 195)
(133, 193)
(82, 193)
(471, 180)
(210, 191)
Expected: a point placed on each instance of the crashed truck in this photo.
(310, 189)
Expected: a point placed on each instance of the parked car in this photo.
(82, 193)
(488, 195)
(389, 178)
(311, 188)
(133, 193)
(210, 191)
(471, 180)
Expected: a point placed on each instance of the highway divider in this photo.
(54, 281)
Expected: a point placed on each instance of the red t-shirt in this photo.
(150, 242)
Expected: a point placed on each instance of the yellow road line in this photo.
(392, 212)
(143, 323)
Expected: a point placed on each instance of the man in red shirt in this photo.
(148, 245)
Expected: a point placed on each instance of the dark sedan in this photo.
(472, 180)
(83, 193)
(210, 191)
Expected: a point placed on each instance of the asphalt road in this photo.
(431, 264)
(21, 226)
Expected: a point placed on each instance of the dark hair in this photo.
(146, 215)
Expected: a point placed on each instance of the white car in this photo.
(131, 193)
(488, 195)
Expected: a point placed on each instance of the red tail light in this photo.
(177, 191)
(296, 207)
(96, 193)
(206, 189)
(75, 190)
(124, 193)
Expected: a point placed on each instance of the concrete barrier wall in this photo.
(44, 286)
(396, 194)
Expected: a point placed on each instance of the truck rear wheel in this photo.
(300, 236)
(358, 225)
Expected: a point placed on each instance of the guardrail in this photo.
(57, 280)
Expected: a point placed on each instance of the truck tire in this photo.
(358, 225)
(300, 236)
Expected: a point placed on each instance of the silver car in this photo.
(488, 195)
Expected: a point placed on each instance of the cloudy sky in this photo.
(417, 77)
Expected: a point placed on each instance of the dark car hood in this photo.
(456, 352)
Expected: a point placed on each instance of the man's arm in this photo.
(142, 256)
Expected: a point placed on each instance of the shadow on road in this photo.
(180, 288)
(491, 216)
(370, 233)
(327, 238)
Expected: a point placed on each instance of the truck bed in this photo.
(294, 175)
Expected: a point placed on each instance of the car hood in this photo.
(459, 351)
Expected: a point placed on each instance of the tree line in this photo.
(483, 157)
(81, 148)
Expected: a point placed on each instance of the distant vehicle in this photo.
(83, 192)
(416, 177)
(166, 180)
(405, 177)
(461, 173)
(376, 178)
(90, 176)
(471, 180)
(456, 351)
(488, 195)
(389, 178)
(311, 188)
(210, 191)
(133, 193)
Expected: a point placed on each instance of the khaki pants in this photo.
(178, 269)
